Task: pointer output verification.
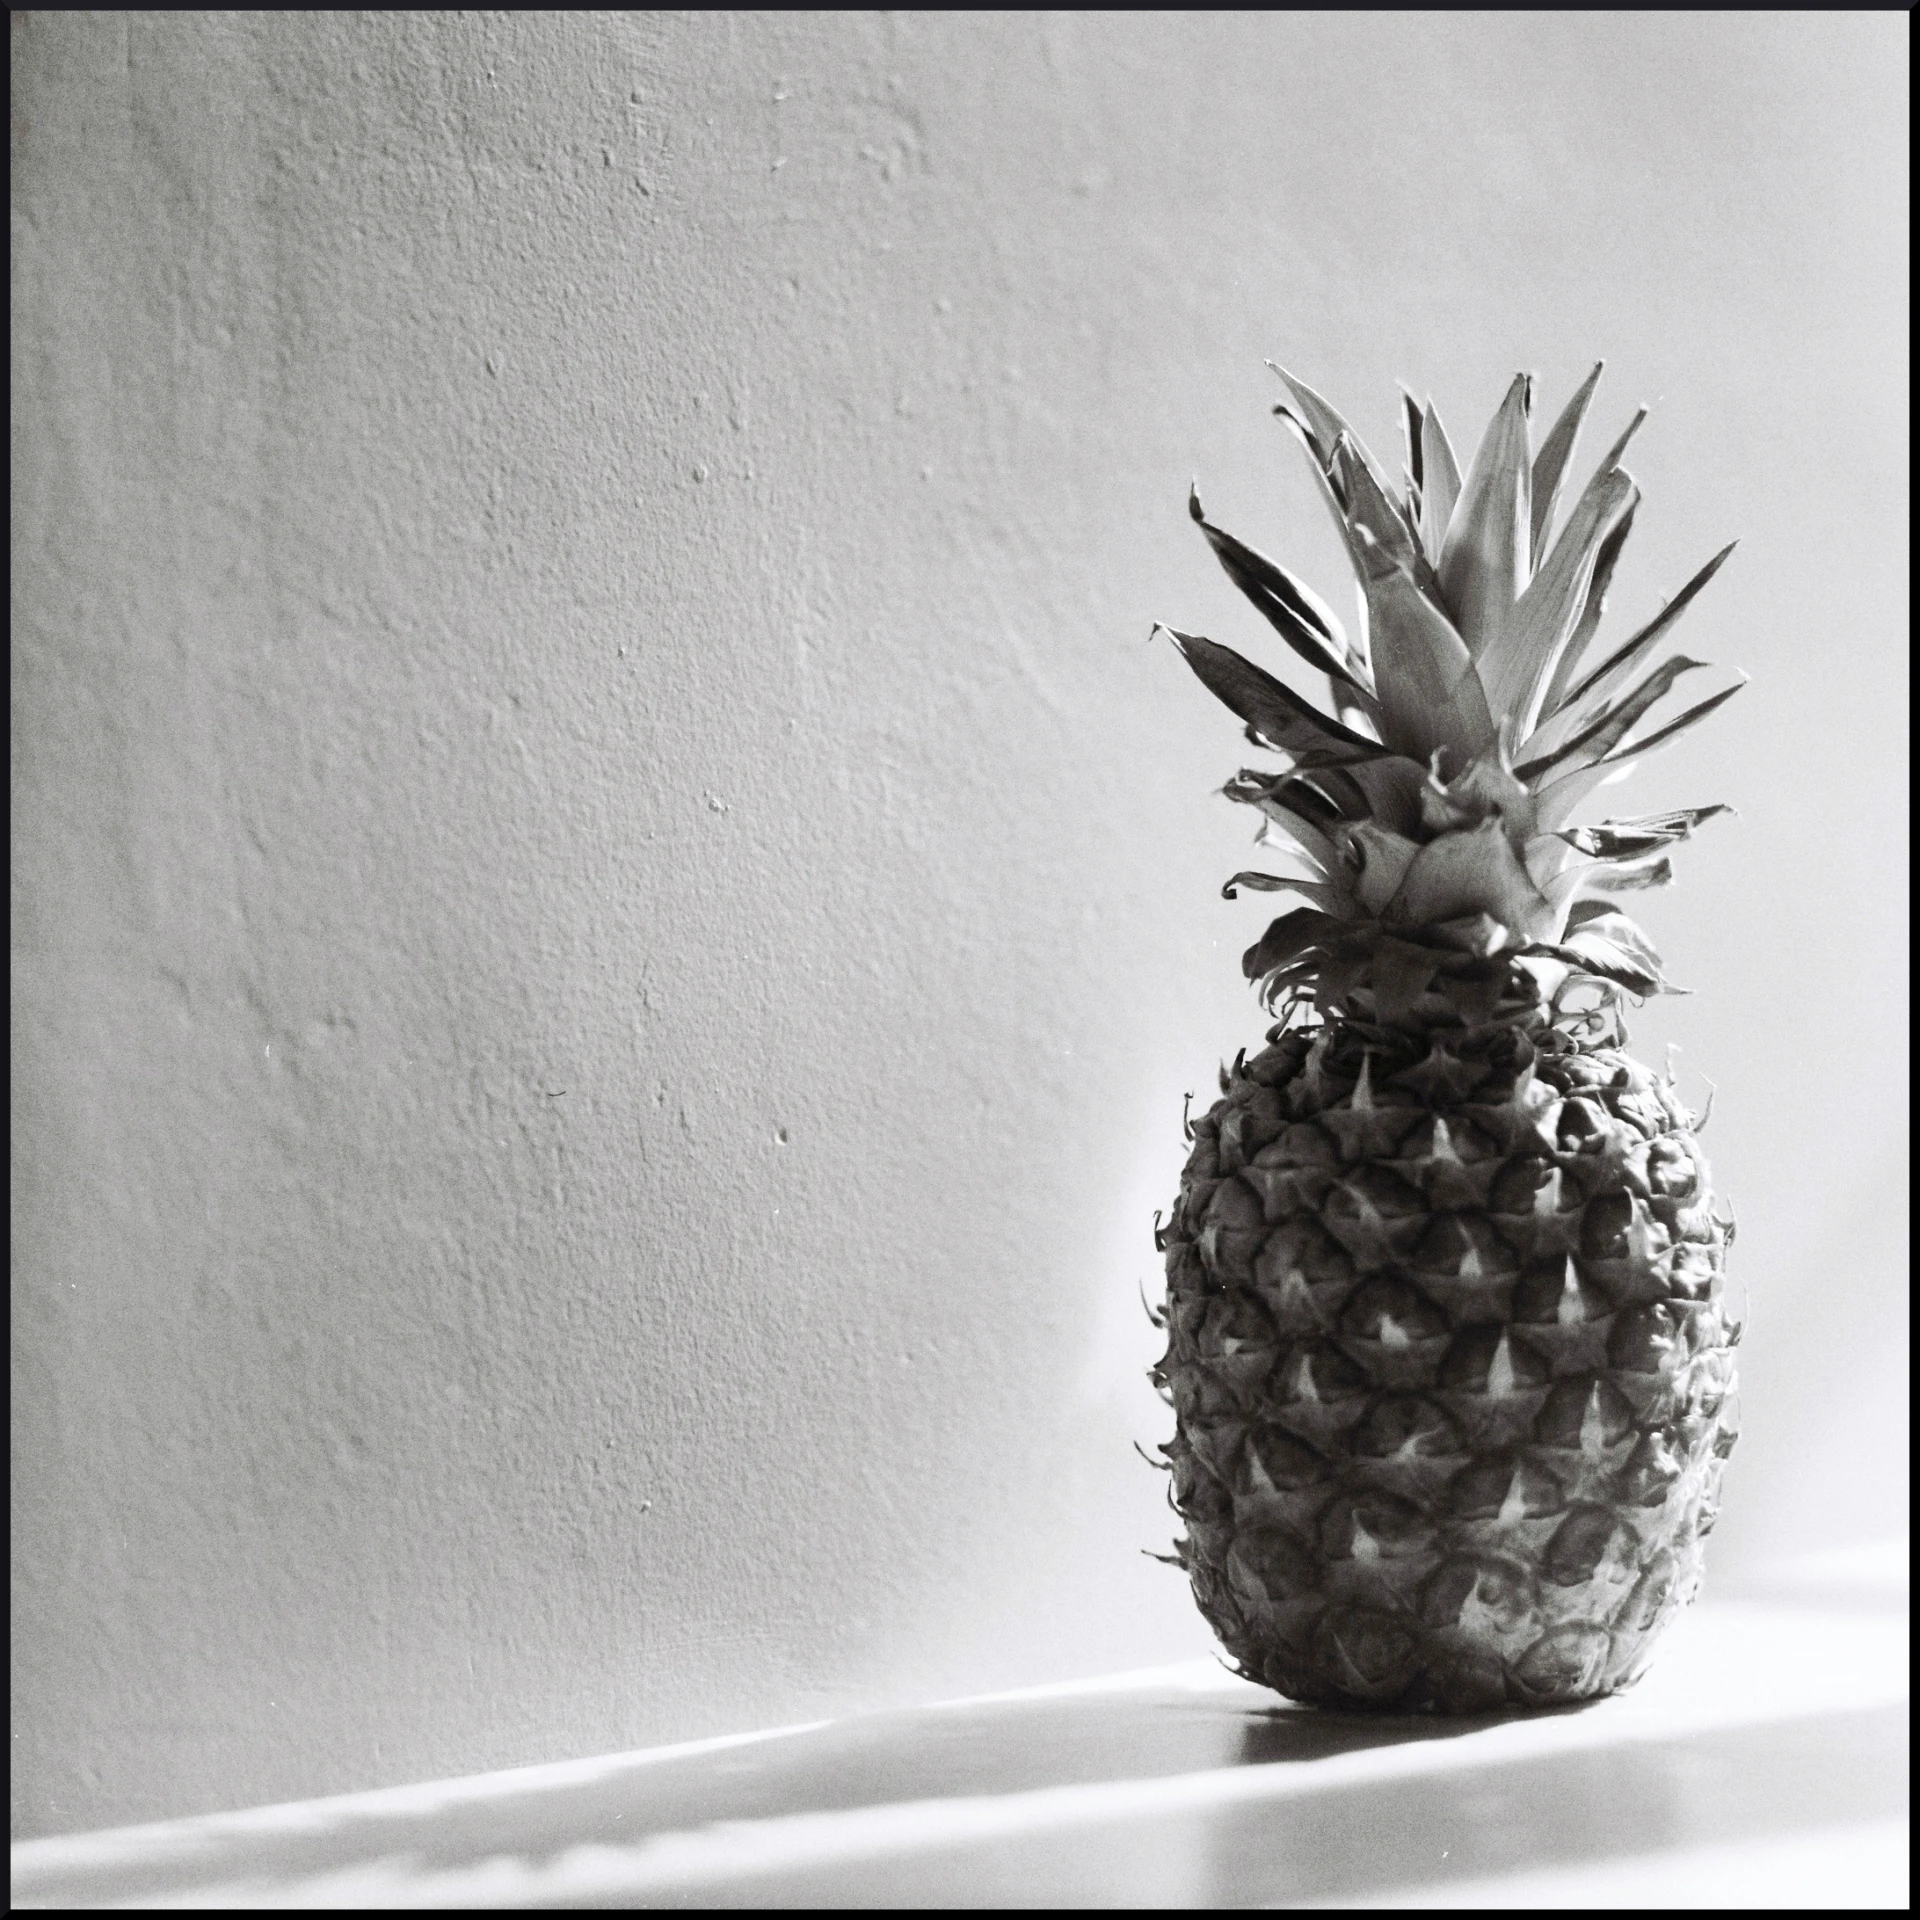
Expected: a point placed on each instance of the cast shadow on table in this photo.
(1559, 1810)
(1270, 1735)
(967, 1751)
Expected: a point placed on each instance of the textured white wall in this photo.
(611, 910)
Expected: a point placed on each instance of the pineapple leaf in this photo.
(1330, 784)
(1371, 511)
(1294, 611)
(1604, 941)
(1611, 672)
(1331, 476)
(1595, 742)
(1360, 711)
(1283, 721)
(1518, 663)
(1630, 839)
(1617, 879)
(1287, 938)
(1620, 446)
(1255, 790)
(1409, 508)
(1555, 801)
(1558, 799)
(1283, 838)
(1550, 463)
(1430, 695)
(1591, 611)
(1302, 796)
(1483, 562)
(1674, 728)
(1678, 824)
(1390, 788)
(1327, 898)
(1439, 484)
(1410, 423)
(1326, 426)
(1544, 707)
(1476, 871)
(1585, 910)
(1332, 490)
(1384, 858)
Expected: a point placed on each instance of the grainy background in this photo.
(611, 910)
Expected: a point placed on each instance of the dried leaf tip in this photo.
(1620, 446)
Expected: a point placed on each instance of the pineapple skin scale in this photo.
(1450, 1362)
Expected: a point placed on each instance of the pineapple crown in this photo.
(1434, 808)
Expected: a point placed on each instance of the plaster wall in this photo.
(611, 910)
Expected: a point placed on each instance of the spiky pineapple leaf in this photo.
(1410, 513)
(1474, 871)
(1558, 799)
(1282, 838)
(1311, 836)
(1411, 426)
(1430, 695)
(1334, 783)
(1331, 481)
(1439, 483)
(1325, 425)
(1273, 710)
(1591, 611)
(1293, 791)
(1619, 447)
(1331, 484)
(1628, 879)
(1606, 942)
(1677, 823)
(1287, 938)
(1390, 789)
(1294, 611)
(1584, 910)
(1595, 742)
(1519, 662)
(1327, 899)
(1613, 670)
(1629, 839)
(1674, 728)
(1483, 563)
(1384, 857)
(1371, 511)
(1550, 463)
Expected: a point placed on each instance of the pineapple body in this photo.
(1450, 1365)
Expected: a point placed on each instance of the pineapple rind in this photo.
(1450, 1364)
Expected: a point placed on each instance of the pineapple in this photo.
(1447, 1346)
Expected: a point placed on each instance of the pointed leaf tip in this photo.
(1620, 446)
(1301, 618)
(1613, 670)
(1484, 561)
(1278, 719)
(1550, 464)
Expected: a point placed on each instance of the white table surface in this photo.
(1762, 1763)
